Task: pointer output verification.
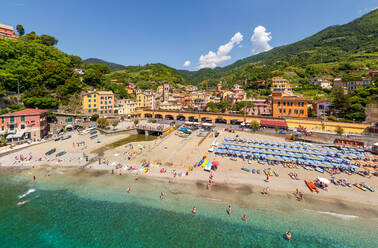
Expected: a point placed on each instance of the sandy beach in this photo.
(176, 154)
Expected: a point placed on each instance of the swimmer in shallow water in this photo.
(244, 217)
(288, 235)
(194, 211)
(162, 196)
(229, 210)
(128, 190)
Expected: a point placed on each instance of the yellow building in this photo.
(143, 100)
(98, 102)
(280, 83)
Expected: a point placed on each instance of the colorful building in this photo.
(260, 107)
(144, 100)
(350, 86)
(98, 102)
(279, 84)
(288, 105)
(7, 31)
(321, 107)
(25, 124)
(125, 107)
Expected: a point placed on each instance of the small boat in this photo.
(50, 152)
(27, 193)
(93, 136)
(253, 171)
(311, 185)
(258, 171)
(245, 169)
(367, 187)
(22, 203)
(60, 153)
(276, 173)
(319, 169)
(359, 186)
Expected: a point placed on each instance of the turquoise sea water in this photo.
(65, 213)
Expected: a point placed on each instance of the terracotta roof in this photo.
(268, 123)
(26, 112)
(320, 101)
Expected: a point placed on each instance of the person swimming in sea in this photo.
(194, 211)
(162, 196)
(288, 235)
(229, 210)
(128, 190)
(244, 217)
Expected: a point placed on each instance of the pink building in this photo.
(24, 124)
(261, 107)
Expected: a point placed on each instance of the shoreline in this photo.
(176, 154)
(235, 193)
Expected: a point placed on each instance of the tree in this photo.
(115, 123)
(276, 129)
(3, 141)
(255, 125)
(92, 76)
(47, 40)
(340, 101)
(136, 121)
(102, 122)
(153, 121)
(51, 117)
(339, 130)
(94, 117)
(20, 30)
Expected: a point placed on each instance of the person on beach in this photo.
(194, 210)
(128, 190)
(267, 178)
(162, 196)
(244, 217)
(34, 178)
(229, 210)
(300, 196)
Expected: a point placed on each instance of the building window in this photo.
(89, 95)
(284, 110)
(22, 126)
(2, 119)
(279, 103)
(102, 97)
(94, 95)
(296, 111)
(289, 111)
(301, 112)
(94, 100)
(94, 105)
(89, 105)
(101, 102)
(284, 103)
(95, 110)
(101, 111)
(11, 119)
(89, 110)
(22, 118)
(2, 128)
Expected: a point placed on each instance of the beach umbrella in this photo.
(323, 180)
(215, 163)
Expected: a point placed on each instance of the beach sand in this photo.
(174, 153)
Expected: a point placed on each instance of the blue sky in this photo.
(171, 32)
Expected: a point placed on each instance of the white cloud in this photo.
(260, 40)
(212, 59)
(187, 63)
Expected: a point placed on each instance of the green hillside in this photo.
(44, 73)
(112, 66)
(149, 76)
(350, 43)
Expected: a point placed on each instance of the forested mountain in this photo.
(112, 66)
(342, 43)
(149, 76)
